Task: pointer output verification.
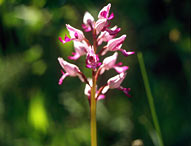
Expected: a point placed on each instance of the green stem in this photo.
(93, 112)
(150, 98)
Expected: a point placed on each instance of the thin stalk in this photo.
(93, 112)
(150, 98)
(93, 99)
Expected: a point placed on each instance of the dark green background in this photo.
(36, 111)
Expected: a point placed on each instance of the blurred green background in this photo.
(36, 111)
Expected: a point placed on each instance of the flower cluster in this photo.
(101, 32)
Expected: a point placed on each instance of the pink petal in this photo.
(111, 16)
(125, 90)
(100, 97)
(121, 69)
(67, 39)
(116, 81)
(88, 18)
(71, 69)
(75, 33)
(75, 57)
(104, 12)
(100, 24)
(115, 44)
(108, 62)
(64, 75)
(125, 53)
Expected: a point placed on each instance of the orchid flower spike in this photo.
(109, 63)
(70, 69)
(115, 83)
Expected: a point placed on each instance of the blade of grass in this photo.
(150, 98)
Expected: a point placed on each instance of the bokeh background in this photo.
(36, 111)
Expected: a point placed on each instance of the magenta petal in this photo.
(64, 75)
(125, 90)
(111, 16)
(119, 64)
(113, 32)
(88, 66)
(104, 14)
(75, 57)
(67, 39)
(100, 97)
(88, 29)
(121, 69)
(76, 35)
(125, 53)
(60, 39)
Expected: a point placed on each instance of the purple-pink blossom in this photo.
(93, 53)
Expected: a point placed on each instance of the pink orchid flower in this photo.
(75, 34)
(88, 22)
(115, 83)
(101, 24)
(92, 59)
(109, 63)
(104, 13)
(70, 69)
(81, 48)
(115, 45)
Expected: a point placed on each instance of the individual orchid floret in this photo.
(115, 45)
(104, 13)
(92, 59)
(110, 62)
(81, 48)
(105, 36)
(75, 34)
(115, 83)
(87, 91)
(70, 69)
(102, 24)
(88, 21)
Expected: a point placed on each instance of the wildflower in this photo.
(104, 13)
(115, 83)
(101, 32)
(71, 70)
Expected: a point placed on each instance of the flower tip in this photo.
(125, 53)
(60, 39)
(60, 83)
(59, 58)
(124, 36)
